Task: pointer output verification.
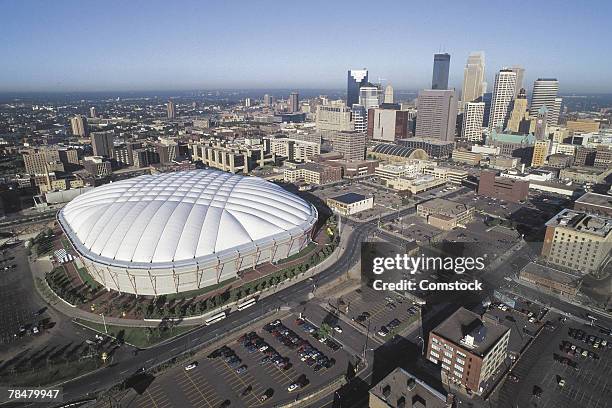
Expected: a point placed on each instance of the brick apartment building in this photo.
(468, 348)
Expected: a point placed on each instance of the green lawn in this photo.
(300, 254)
(87, 277)
(138, 336)
(193, 293)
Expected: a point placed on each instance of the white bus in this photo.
(215, 318)
(246, 304)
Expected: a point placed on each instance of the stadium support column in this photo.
(176, 279)
(115, 278)
(153, 282)
(256, 257)
(198, 275)
(101, 276)
(238, 263)
(132, 280)
(218, 269)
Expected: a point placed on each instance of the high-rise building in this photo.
(369, 96)
(474, 85)
(471, 128)
(520, 120)
(102, 143)
(171, 107)
(360, 118)
(544, 94)
(541, 120)
(41, 161)
(578, 240)
(92, 112)
(79, 126)
(352, 145)
(540, 152)
(294, 102)
(436, 114)
(334, 117)
(388, 94)
(356, 79)
(503, 94)
(266, 100)
(387, 124)
(441, 67)
(247, 102)
(556, 111)
(520, 74)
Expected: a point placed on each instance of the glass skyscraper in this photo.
(440, 71)
(356, 79)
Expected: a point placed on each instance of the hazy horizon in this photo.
(147, 46)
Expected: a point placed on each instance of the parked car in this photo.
(191, 366)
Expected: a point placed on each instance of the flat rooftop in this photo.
(463, 322)
(581, 221)
(349, 198)
(399, 386)
(446, 207)
(552, 274)
(599, 200)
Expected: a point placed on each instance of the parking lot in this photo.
(274, 364)
(553, 374)
(385, 313)
(19, 307)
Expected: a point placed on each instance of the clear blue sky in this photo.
(86, 45)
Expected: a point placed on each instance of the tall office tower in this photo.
(474, 85)
(520, 74)
(356, 79)
(520, 120)
(473, 112)
(540, 153)
(436, 114)
(360, 118)
(541, 122)
(555, 111)
(248, 102)
(266, 100)
(486, 98)
(294, 102)
(503, 93)
(369, 96)
(388, 94)
(171, 109)
(544, 94)
(92, 112)
(79, 126)
(441, 67)
(102, 143)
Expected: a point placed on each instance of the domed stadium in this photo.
(182, 231)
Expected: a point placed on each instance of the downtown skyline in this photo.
(67, 47)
